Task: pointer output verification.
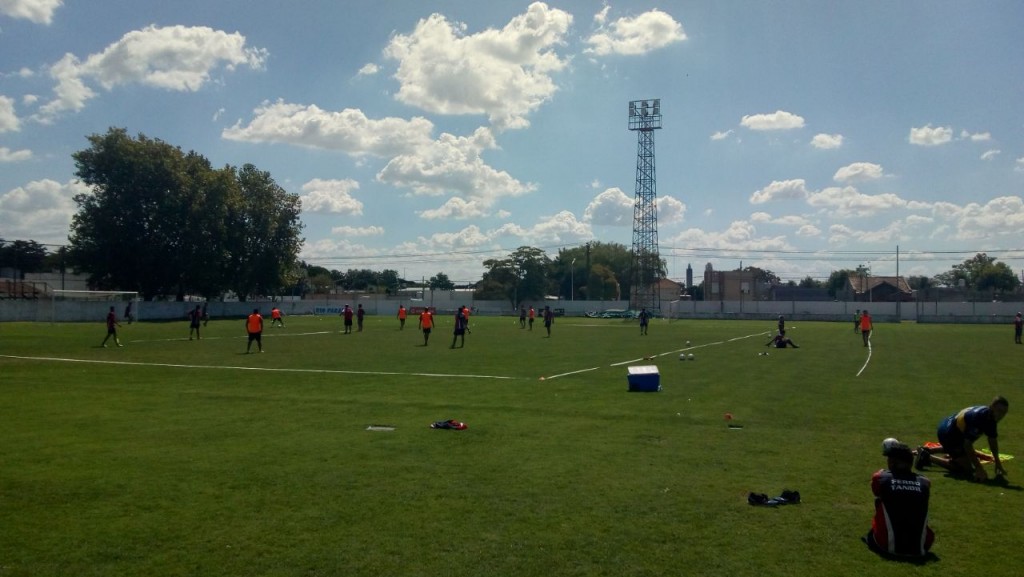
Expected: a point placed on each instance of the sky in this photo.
(798, 136)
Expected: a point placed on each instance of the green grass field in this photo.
(169, 457)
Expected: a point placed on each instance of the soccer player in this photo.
(865, 326)
(957, 434)
(522, 317)
(1018, 327)
(347, 314)
(460, 327)
(426, 323)
(401, 317)
(254, 326)
(194, 317)
(532, 314)
(780, 340)
(276, 317)
(549, 319)
(112, 325)
(360, 313)
(900, 525)
(645, 319)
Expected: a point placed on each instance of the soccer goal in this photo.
(78, 305)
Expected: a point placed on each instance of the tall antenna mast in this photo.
(644, 119)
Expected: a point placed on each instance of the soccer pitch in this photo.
(178, 457)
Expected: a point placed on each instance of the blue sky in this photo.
(798, 136)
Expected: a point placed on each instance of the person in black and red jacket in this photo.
(900, 525)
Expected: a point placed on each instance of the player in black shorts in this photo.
(957, 434)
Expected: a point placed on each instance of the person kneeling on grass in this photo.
(900, 525)
(957, 434)
(780, 341)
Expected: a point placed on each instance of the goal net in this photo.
(79, 305)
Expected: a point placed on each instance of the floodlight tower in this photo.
(644, 119)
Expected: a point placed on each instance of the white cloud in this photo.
(561, 228)
(1019, 164)
(990, 154)
(788, 220)
(176, 58)
(721, 135)
(858, 172)
(781, 190)
(632, 36)
(827, 141)
(369, 69)
(8, 118)
(453, 165)
(37, 11)
(999, 217)
(349, 131)
(928, 136)
(350, 231)
(331, 196)
(601, 17)
(41, 210)
(433, 167)
(671, 210)
(457, 208)
(778, 120)
(8, 155)
(504, 74)
(975, 137)
(740, 235)
(808, 230)
(849, 202)
(610, 208)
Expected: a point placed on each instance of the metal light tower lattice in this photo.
(644, 119)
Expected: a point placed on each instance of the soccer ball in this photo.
(682, 356)
(888, 444)
(691, 356)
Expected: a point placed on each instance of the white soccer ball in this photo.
(691, 356)
(889, 444)
(682, 356)
(687, 343)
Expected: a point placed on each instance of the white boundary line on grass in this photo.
(620, 363)
(867, 360)
(268, 369)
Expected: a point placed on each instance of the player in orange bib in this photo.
(254, 326)
(401, 317)
(426, 323)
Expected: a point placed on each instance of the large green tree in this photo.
(980, 272)
(161, 221)
(22, 256)
(522, 276)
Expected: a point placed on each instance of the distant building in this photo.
(733, 285)
(877, 289)
(668, 290)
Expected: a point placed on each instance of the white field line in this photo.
(240, 368)
(620, 363)
(867, 360)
